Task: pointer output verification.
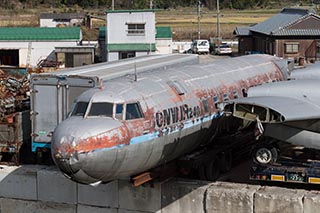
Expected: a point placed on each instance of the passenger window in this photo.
(225, 97)
(205, 105)
(235, 95)
(244, 92)
(119, 111)
(216, 101)
(101, 109)
(133, 111)
(80, 109)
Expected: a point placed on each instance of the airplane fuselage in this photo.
(130, 126)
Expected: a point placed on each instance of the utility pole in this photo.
(218, 20)
(112, 5)
(151, 4)
(199, 4)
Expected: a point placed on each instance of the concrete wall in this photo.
(117, 25)
(44, 189)
(164, 46)
(40, 49)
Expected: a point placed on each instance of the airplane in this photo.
(285, 111)
(136, 123)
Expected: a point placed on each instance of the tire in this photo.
(213, 170)
(226, 162)
(265, 155)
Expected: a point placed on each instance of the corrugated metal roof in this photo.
(131, 47)
(115, 69)
(39, 33)
(279, 21)
(62, 15)
(163, 32)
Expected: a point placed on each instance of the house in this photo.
(292, 33)
(130, 33)
(163, 40)
(30, 46)
(61, 19)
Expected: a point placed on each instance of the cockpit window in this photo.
(133, 111)
(101, 109)
(80, 109)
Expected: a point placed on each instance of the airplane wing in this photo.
(273, 109)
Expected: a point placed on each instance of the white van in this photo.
(200, 46)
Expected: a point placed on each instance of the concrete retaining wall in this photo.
(43, 189)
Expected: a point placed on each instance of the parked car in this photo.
(200, 46)
(188, 51)
(223, 49)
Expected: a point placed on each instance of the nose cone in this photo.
(75, 138)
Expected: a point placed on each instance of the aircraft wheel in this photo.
(213, 170)
(226, 162)
(265, 155)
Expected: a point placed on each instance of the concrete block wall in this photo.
(45, 189)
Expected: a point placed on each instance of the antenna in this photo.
(135, 72)
(199, 4)
(112, 5)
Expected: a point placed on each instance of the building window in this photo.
(206, 107)
(123, 55)
(136, 29)
(291, 47)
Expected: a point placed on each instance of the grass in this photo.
(183, 21)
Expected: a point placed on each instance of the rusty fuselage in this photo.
(132, 125)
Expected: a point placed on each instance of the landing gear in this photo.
(226, 161)
(213, 169)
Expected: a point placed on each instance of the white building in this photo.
(27, 46)
(130, 33)
(163, 40)
(61, 19)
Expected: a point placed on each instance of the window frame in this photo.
(89, 110)
(291, 45)
(139, 108)
(136, 31)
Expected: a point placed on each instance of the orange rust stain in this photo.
(108, 139)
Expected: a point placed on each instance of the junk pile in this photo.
(13, 94)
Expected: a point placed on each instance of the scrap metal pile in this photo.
(13, 94)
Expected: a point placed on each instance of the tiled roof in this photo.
(242, 31)
(280, 24)
(62, 15)
(39, 33)
(286, 17)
